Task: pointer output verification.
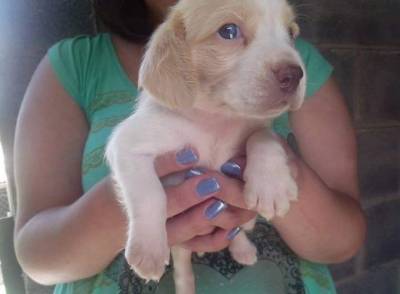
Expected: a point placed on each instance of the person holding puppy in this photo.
(70, 229)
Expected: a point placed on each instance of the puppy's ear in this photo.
(167, 71)
(294, 30)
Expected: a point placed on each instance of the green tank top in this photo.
(89, 70)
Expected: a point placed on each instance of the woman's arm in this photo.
(326, 224)
(59, 235)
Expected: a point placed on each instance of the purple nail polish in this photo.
(194, 172)
(233, 233)
(186, 156)
(215, 209)
(232, 169)
(207, 187)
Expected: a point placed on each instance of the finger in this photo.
(199, 188)
(189, 224)
(172, 162)
(234, 167)
(231, 191)
(203, 218)
(232, 217)
(213, 242)
(191, 192)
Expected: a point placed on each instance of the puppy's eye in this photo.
(230, 31)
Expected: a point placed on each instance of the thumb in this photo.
(172, 162)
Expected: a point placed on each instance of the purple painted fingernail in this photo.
(232, 169)
(215, 209)
(233, 233)
(194, 172)
(186, 156)
(207, 187)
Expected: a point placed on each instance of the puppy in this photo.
(214, 75)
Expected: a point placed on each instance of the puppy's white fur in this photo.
(217, 95)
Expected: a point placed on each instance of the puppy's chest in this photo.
(218, 145)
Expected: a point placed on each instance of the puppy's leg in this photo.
(142, 194)
(269, 184)
(249, 226)
(183, 271)
(241, 248)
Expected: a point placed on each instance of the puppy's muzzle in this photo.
(288, 77)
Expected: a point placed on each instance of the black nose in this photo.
(288, 77)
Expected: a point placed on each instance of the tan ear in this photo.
(167, 71)
(295, 30)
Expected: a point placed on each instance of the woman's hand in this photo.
(204, 210)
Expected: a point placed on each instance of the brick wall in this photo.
(362, 40)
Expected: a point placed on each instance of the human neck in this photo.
(129, 55)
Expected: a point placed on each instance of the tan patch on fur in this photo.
(167, 71)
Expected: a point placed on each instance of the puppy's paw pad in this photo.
(148, 261)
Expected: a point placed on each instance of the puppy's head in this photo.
(232, 56)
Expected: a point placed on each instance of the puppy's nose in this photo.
(288, 77)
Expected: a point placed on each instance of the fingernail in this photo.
(232, 169)
(215, 209)
(186, 156)
(207, 187)
(233, 233)
(194, 172)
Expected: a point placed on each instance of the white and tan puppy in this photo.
(215, 74)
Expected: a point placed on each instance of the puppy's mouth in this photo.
(271, 111)
(258, 108)
(269, 108)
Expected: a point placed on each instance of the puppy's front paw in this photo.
(148, 256)
(270, 190)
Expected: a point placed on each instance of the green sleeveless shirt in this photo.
(89, 70)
